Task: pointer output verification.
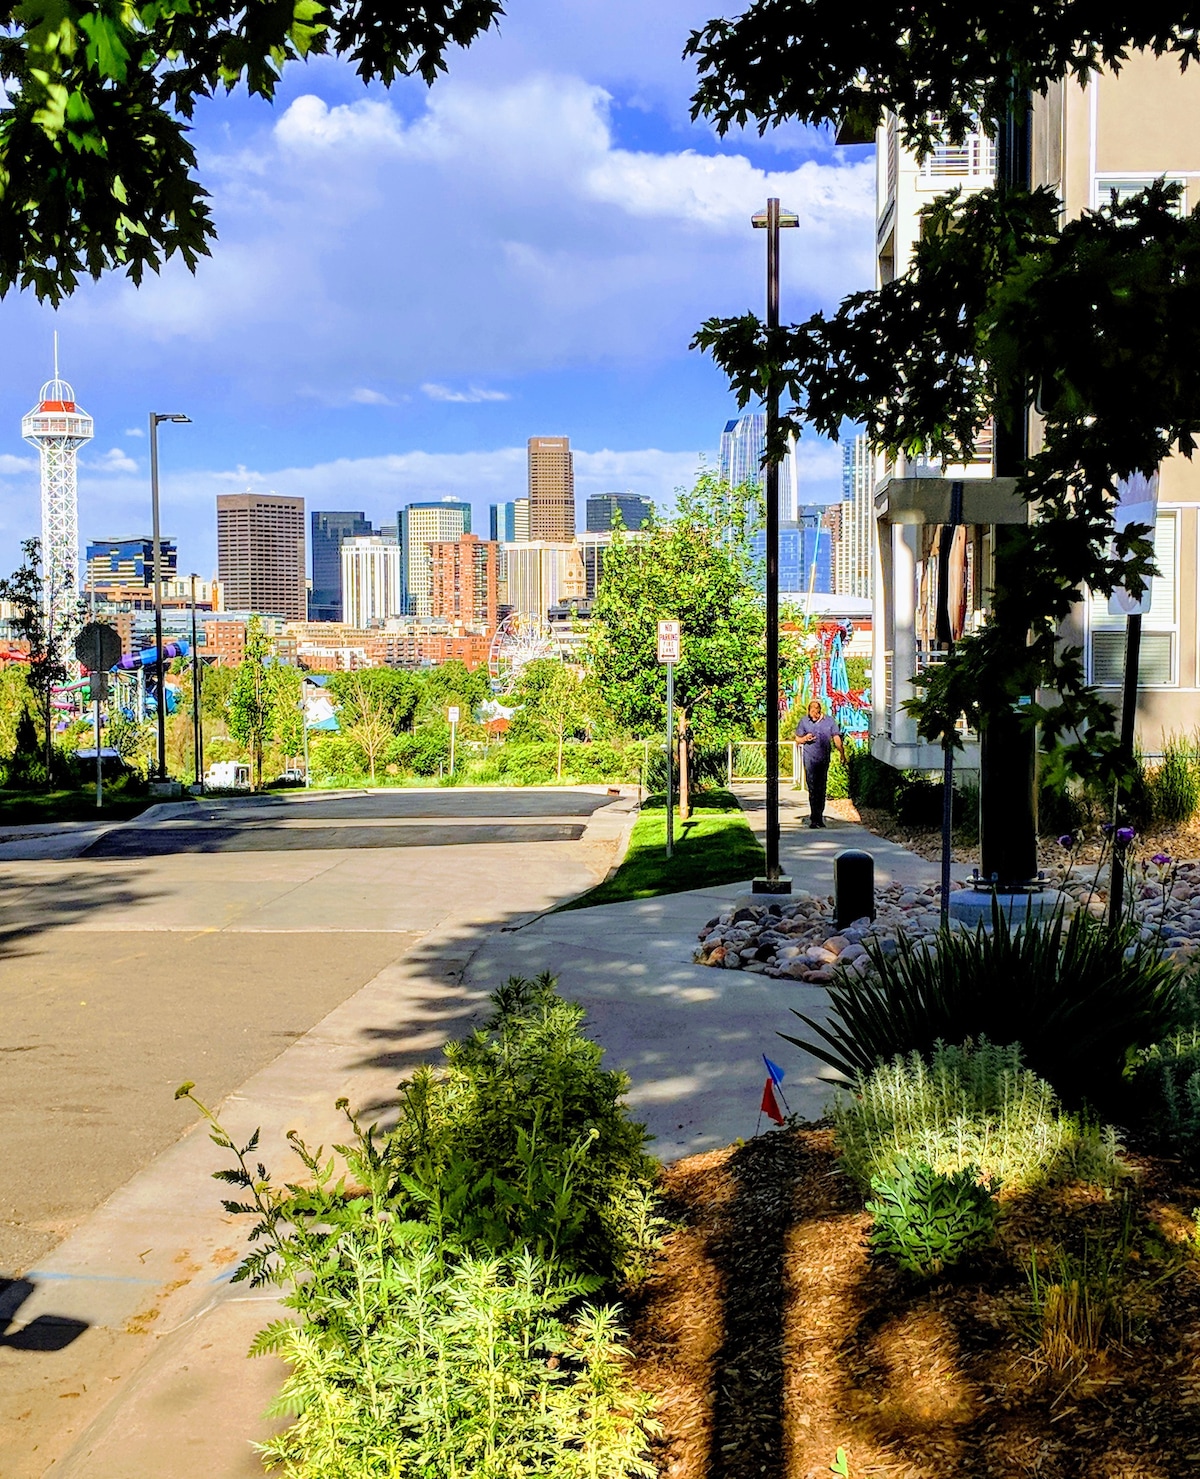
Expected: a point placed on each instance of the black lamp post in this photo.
(161, 699)
(772, 220)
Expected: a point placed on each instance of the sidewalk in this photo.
(165, 1391)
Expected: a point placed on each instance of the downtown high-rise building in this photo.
(329, 530)
(635, 511)
(465, 586)
(422, 525)
(502, 522)
(854, 555)
(260, 554)
(551, 490)
(805, 552)
(371, 588)
(740, 455)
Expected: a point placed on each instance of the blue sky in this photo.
(407, 285)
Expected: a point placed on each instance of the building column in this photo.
(905, 546)
(881, 624)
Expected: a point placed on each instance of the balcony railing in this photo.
(973, 158)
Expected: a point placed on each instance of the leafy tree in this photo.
(47, 634)
(686, 572)
(1006, 305)
(392, 691)
(251, 705)
(451, 683)
(285, 687)
(216, 684)
(553, 702)
(365, 716)
(96, 168)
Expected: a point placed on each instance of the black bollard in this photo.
(853, 886)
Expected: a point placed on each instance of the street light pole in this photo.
(197, 718)
(771, 220)
(161, 696)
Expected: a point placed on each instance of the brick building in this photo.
(466, 581)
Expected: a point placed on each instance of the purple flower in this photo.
(1066, 840)
(1125, 835)
(1107, 829)
(1161, 858)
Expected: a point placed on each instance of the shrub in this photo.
(870, 782)
(709, 767)
(526, 1135)
(1167, 1085)
(1175, 785)
(925, 1221)
(1075, 995)
(424, 752)
(975, 1105)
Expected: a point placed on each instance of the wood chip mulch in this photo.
(772, 1339)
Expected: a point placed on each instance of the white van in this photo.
(228, 775)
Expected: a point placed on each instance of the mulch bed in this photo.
(772, 1338)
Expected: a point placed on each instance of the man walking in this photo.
(818, 734)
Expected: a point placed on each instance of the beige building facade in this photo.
(261, 554)
(551, 490)
(1114, 133)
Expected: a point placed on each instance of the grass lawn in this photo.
(715, 845)
(20, 808)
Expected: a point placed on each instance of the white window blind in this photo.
(1156, 666)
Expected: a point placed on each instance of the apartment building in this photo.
(261, 553)
(1116, 132)
(465, 585)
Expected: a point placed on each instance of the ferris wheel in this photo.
(519, 639)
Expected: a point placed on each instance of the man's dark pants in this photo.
(816, 777)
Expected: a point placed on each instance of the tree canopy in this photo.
(96, 168)
(682, 571)
(938, 64)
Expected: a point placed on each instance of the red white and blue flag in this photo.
(773, 1092)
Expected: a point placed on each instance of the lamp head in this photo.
(760, 220)
(171, 416)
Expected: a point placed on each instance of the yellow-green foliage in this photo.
(971, 1105)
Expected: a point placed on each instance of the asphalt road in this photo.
(199, 947)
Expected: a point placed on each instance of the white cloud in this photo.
(11, 466)
(114, 460)
(472, 396)
(134, 431)
(501, 233)
(362, 396)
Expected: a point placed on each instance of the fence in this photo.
(747, 761)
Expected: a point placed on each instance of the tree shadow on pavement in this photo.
(29, 908)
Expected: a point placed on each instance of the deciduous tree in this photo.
(251, 707)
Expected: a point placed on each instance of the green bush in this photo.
(709, 767)
(975, 1105)
(926, 1222)
(870, 782)
(442, 1279)
(1076, 996)
(1167, 1086)
(424, 752)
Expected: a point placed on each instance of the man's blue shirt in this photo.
(823, 731)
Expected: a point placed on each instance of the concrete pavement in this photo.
(148, 1272)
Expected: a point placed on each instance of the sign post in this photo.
(452, 715)
(669, 644)
(98, 648)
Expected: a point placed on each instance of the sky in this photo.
(409, 284)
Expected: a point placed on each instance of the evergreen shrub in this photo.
(926, 1221)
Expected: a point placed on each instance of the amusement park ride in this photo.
(824, 677)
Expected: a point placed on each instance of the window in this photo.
(1133, 185)
(1160, 626)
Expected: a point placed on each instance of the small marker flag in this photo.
(769, 1105)
(774, 1070)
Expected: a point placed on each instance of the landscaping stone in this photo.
(797, 937)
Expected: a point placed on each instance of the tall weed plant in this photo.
(444, 1271)
(1174, 785)
(1077, 996)
(975, 1105)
